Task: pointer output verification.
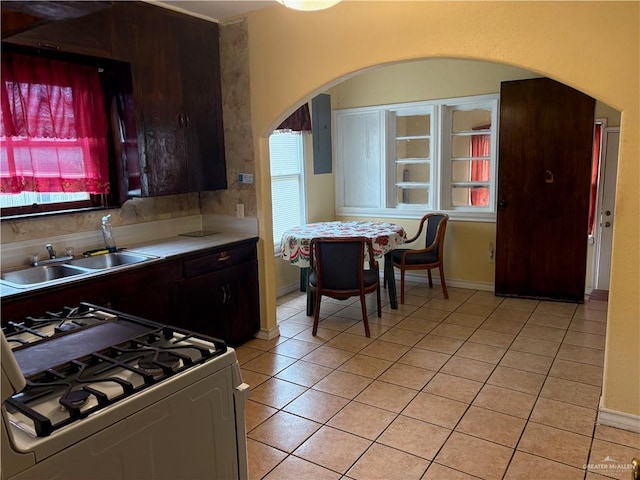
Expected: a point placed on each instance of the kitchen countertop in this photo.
(179, 245)
(166, 248)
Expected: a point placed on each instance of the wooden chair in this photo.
(432, 256)
(338, 271)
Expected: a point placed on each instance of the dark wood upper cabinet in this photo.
(21, 15)
(87, 35)
(176, 87)
(175, 84)
(202, 100)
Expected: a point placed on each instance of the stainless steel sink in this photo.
(109, 260)
(45, 273)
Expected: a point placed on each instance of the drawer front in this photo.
(219, 260)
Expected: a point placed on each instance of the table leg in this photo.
(304, 279)
(391, 281)
(310, 302)
(304, 276)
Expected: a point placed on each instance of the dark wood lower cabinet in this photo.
(214, 292)
(144, 291)
(219, 295)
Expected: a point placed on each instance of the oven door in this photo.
(190, 434)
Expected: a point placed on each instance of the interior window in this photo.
(409, 158)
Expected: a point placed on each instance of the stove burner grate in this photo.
(159, 362)
(99, 365)
(75, 398)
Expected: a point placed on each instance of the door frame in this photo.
(608, 166)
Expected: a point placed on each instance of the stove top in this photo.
(86, 358)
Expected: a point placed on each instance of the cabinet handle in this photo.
(224, 257)
(226, 295)
(48, 46)
(187, 120)
(180, 120)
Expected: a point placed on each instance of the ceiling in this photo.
(218, 10)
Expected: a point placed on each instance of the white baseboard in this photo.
(613, 418)
(415, 278)
(268, 334)
(451, 282)
(292, 287)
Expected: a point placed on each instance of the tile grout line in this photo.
(486, 317)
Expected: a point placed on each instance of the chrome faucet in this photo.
(52, 256)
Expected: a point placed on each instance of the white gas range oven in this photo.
(92, 393)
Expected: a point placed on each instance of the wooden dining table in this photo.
(385, 237)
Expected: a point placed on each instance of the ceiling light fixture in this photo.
(309, 5)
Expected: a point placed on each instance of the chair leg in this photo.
(316, 313)
(365, 319)
(402, 286)
(429, 277)
(379, 304)
(444, 284)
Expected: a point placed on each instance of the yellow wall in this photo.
(438, 78)
(296, 55)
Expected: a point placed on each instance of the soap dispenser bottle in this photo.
(107, 233)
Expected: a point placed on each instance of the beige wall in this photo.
(295, 55)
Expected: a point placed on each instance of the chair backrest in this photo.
(339, 262)
(436, 227)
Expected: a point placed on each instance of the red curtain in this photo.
(53, 130)
(480, 169)
(595, 167)
(298, 121)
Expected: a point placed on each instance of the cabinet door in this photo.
(359, 147)
(202, 100)
(223, 304)
(243, 302)
(149, 39)
(203, 306)
(150, 292)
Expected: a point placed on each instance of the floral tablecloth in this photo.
(295, 241)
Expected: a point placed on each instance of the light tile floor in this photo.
(476, 386)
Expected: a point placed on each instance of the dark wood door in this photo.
(546, 139)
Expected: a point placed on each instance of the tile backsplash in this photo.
(139, 220)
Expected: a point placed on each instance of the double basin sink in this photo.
(43, 274)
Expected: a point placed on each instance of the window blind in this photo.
(287, 183)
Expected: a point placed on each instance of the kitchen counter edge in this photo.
(163, 249)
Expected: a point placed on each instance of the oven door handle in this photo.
(240, 397)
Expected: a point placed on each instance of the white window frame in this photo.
(446, 160)
(393, 161)
(300, 176)
(440, 175)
